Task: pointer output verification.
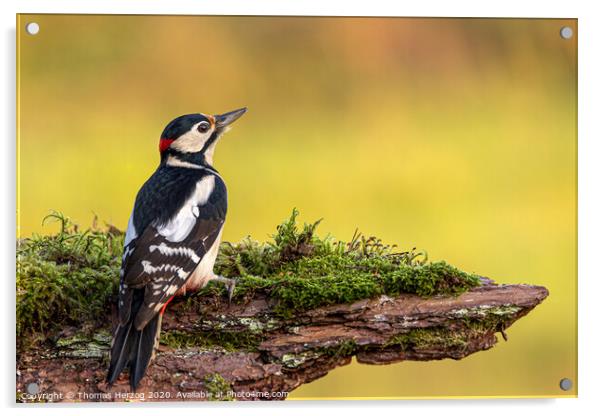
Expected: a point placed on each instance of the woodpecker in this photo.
(172, 238)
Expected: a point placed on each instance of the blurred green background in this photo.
(457, 136)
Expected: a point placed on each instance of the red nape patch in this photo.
(164, 144)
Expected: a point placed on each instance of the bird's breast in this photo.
(203, 273)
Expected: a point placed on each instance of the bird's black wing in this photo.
(162, 258)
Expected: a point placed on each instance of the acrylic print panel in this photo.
(452, 139)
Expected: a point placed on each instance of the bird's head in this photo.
(192, 138)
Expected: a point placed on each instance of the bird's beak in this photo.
(223, 120)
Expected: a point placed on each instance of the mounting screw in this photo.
(566, 32)
(32, 28)
(566, 384)
(33, 388)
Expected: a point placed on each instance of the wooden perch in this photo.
(266, 357)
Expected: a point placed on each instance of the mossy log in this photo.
(211, 350)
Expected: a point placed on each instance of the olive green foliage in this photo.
(71, 277)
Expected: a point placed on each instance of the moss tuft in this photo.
(66, 278)
(218, 388)
(425, 338)
(332, 279)
(229, 341)
(344, 348)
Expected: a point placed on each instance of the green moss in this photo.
(471, 323)
(229, 341)
(490, 318)
(342, 349)
(217, 388)
(425, 338)
(67, 278)
(71, 277)
(331, 279)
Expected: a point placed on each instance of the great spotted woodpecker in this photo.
(172, 238)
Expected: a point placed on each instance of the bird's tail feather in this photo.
(133, 348)
(142, 351)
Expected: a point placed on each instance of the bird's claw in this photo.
(230, 286)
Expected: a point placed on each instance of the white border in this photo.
(590, 174)
(461, 8)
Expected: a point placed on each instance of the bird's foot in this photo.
(230, 285)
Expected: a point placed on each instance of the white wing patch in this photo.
(175, 251)
(178, 228)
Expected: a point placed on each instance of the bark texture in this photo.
(216, 351)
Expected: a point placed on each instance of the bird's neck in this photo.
(175, 158)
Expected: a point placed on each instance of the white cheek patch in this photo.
(211, 149)
(192, 141)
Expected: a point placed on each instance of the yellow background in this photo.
(453, 135)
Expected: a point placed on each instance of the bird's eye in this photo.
(204, 127)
